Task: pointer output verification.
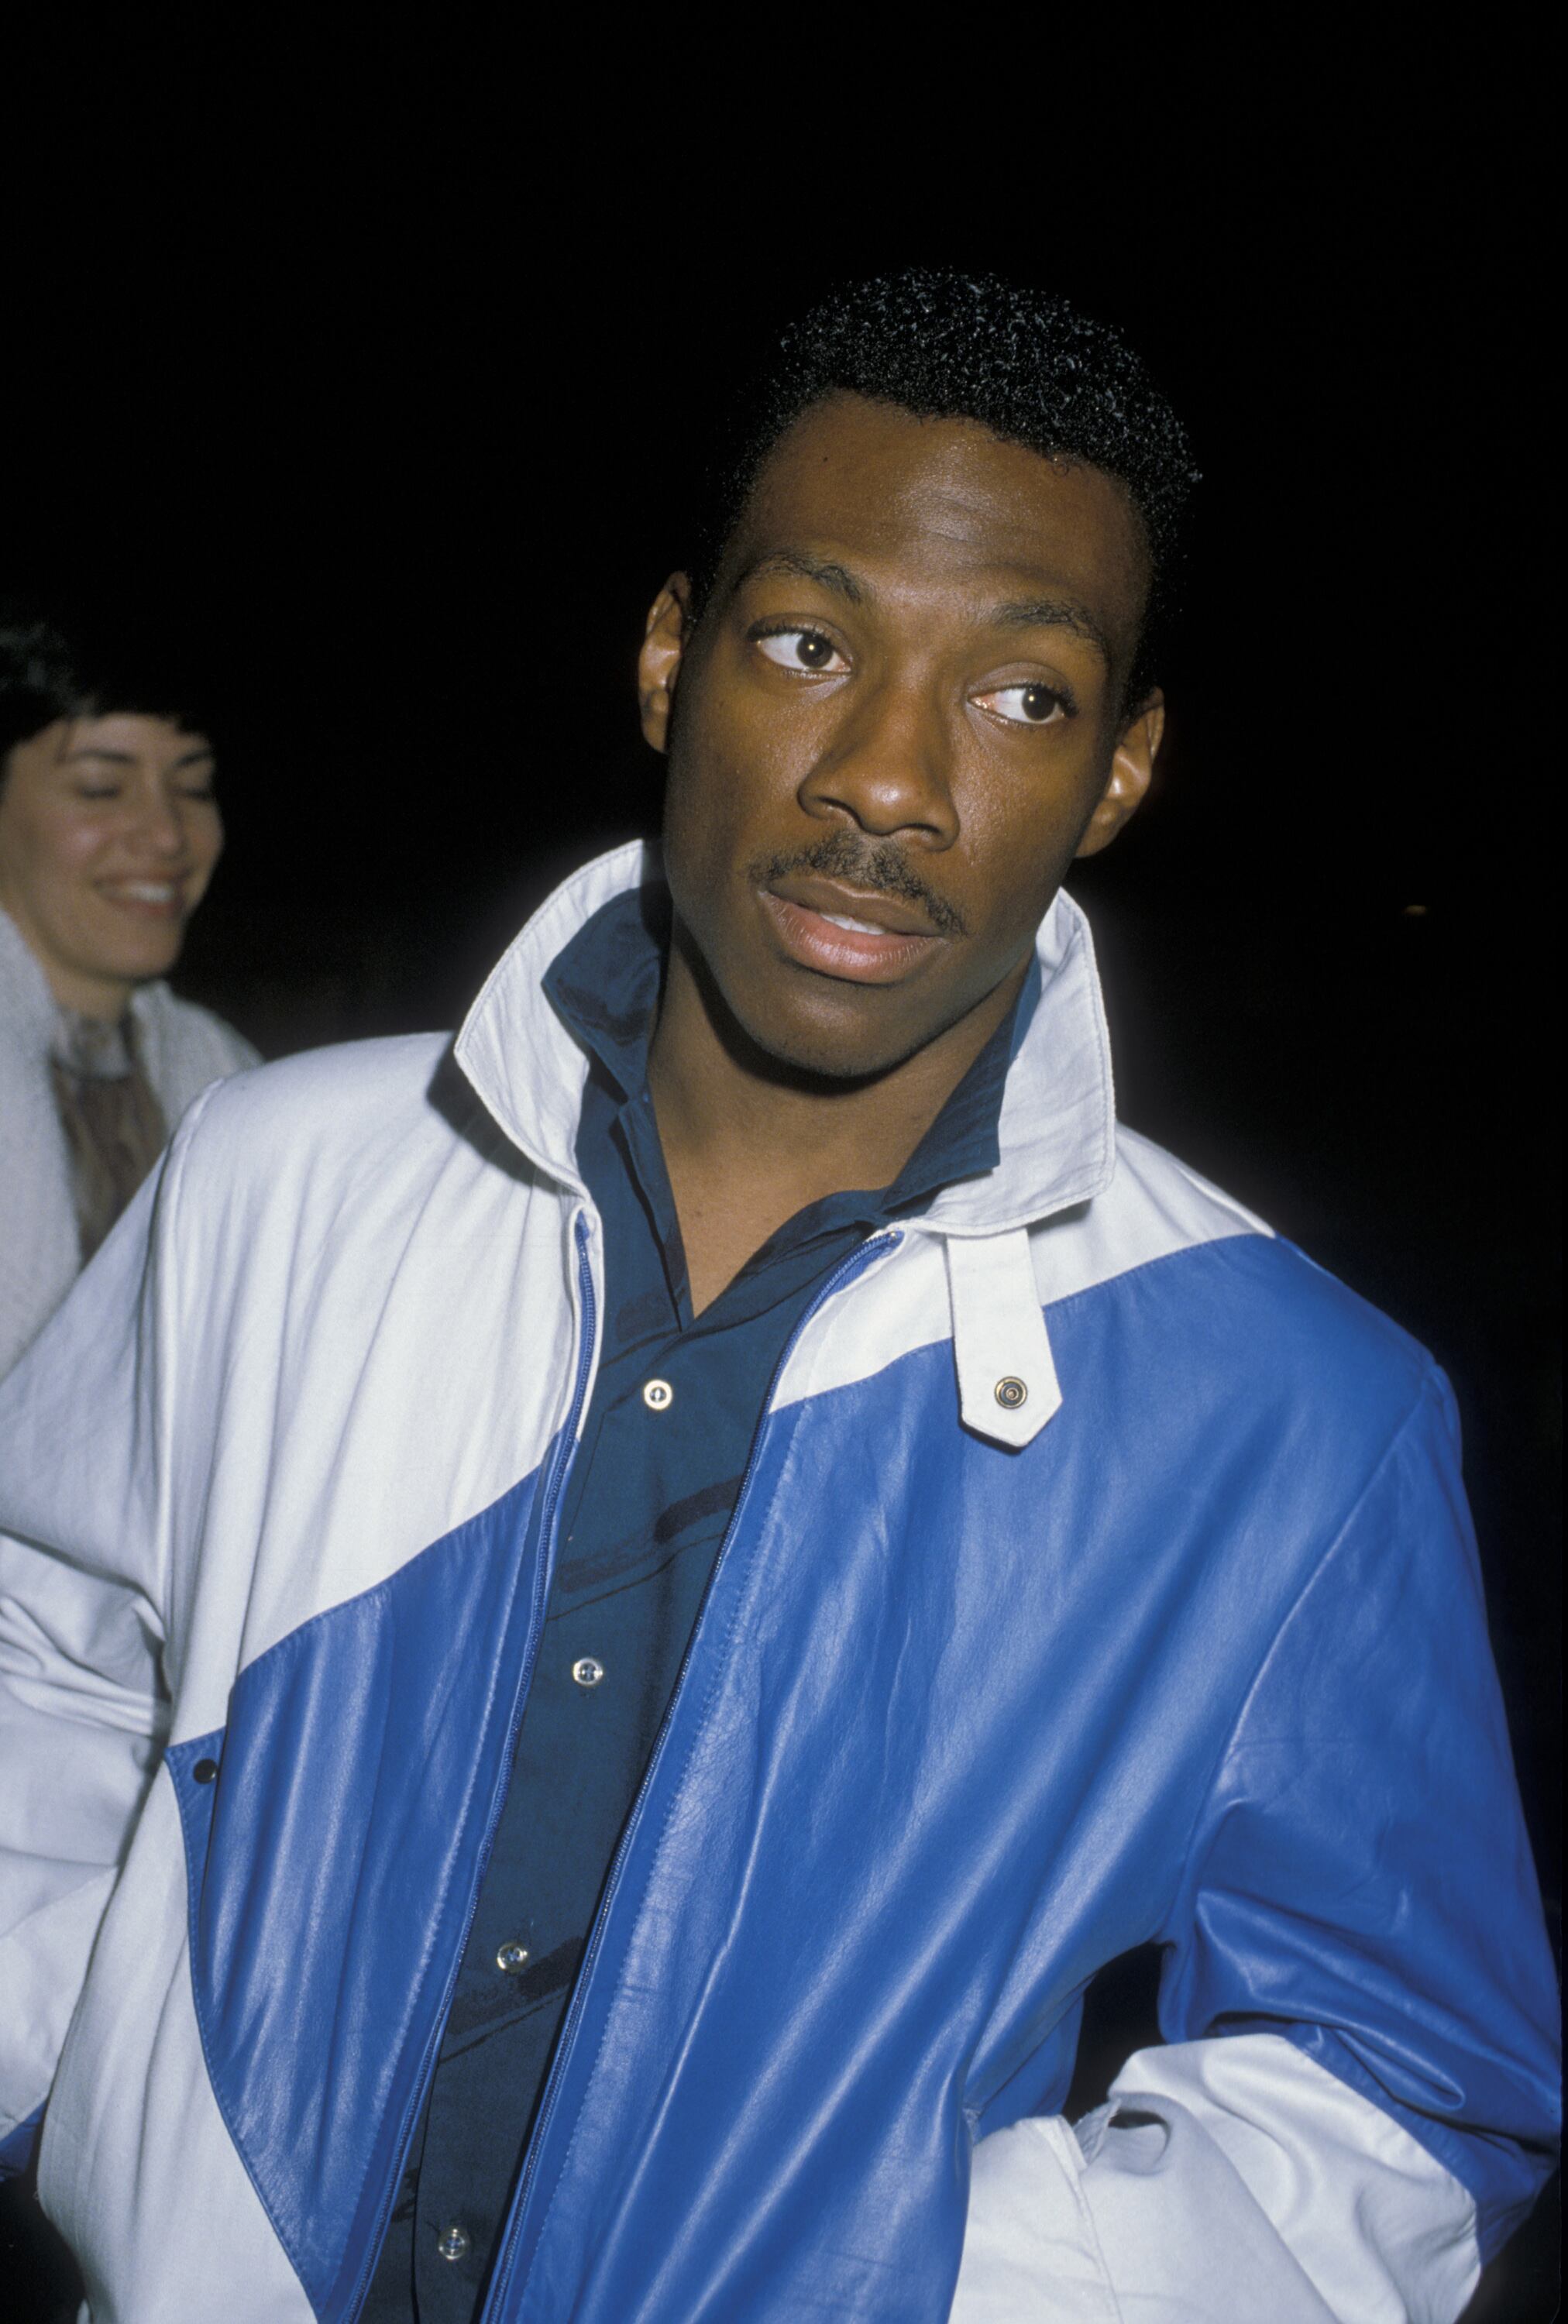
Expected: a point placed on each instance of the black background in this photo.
(382, 376)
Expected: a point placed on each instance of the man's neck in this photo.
(747, 1144)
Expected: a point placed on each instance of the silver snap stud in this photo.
(511, 1957)
(1010, 1393)
(587, 1672)
(658, 1394)
(452, 2243)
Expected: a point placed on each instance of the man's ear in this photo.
(664, 642)
(1131, 771)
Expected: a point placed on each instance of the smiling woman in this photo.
(109, 833)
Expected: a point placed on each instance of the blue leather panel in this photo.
(16, 2146)
(957, 1722)
(332, 1864)
(1360, 1879)
(1040, 2085)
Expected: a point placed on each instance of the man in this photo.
(596, 1693)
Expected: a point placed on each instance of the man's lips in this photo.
(840, 931)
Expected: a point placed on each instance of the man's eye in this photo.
(1031, 705)
(801, 650)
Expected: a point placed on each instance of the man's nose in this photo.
(888, 767)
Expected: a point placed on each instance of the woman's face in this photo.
(109, 835)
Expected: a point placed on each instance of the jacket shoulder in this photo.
(1220, 1296)
(328, 1116)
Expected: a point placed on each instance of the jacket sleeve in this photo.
(1357, 2103)
(83, 1707)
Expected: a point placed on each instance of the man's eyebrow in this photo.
(800, 567)
(1054, 613)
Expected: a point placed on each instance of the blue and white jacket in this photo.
(1101, 1575)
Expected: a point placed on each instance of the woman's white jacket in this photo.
(182, 1048)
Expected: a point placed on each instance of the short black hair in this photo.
(945, 344)
(53, 665)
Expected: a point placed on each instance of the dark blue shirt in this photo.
(664, 1448)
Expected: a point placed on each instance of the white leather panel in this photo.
(162, 2228)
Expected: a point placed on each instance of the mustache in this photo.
(876, 866)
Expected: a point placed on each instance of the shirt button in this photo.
(658, 1394)
(587, 1672)
(452, 2243)
(511, 1955)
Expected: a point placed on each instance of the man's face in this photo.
(901, 709)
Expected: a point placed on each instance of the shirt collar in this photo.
(603, 982)
(526, 1061)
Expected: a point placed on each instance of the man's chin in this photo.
(816, 1046)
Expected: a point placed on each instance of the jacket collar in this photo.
(26, 1002)
(1057, 1123)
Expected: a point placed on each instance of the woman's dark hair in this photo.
(949, 346)
(48, 672)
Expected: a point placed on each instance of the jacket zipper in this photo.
(505, 2258)
(566, 1449)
